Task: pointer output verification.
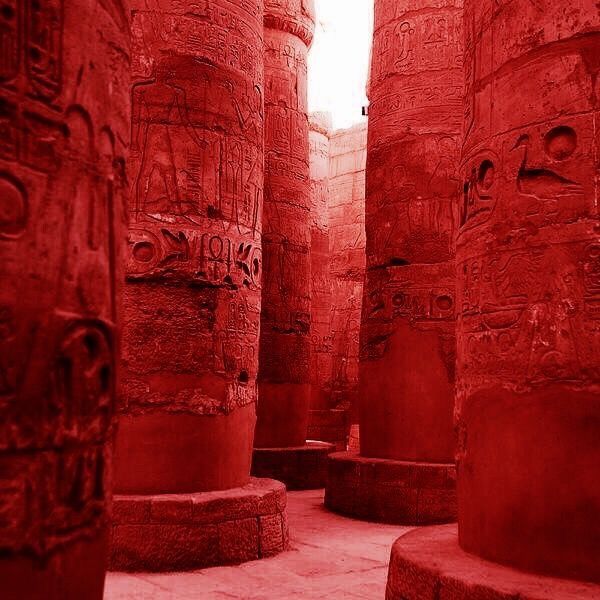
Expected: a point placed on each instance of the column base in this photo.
(428, 564)
(179, 532)
(300, 468)
(329, 426)
(390, 491)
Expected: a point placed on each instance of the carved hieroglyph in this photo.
(64, 114)
(284, 379)
(194, 263)
(320, 280)
(407, 332)
(528, 265)
(194, 260)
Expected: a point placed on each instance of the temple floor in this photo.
(329, 557)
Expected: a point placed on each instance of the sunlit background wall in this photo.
(338, 63)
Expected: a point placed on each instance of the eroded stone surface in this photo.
(528, 260)
(330, 557)
(390, 491)
(64, 116)
(337, 276)
(428, 564)
(320, 278)
(194, 248)
(303, 468)
(407, 331)
(284, 378)
(188, 531)
(348, 154)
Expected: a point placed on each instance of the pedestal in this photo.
(300, 468)
(428, 564)
(331, 426)
(390, 491)
(178, 532)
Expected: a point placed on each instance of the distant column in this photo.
(284, 380)
(64, 123)
(528, 332)
(348, 154)
(407, 354)
(320, 280)
(407, 347)
(284, 376)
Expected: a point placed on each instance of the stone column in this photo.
(64, 116)
(528, 264)
(284, 377)
(284, 383)
(320, 281)
(348, 155)
(529, 288)
(192, 303)
(406, 385)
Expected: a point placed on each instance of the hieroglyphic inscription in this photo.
(196, 204)
(63, 106)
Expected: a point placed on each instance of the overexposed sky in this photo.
(338, 62)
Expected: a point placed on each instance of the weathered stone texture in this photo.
(390, 491)
(428, 564)
(407, 331)
(346, 210)
(320, 281)
(192, 531)
(528, 264)
(194, 262)
(64, 116)
(284, 377)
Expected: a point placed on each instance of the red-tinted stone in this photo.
(428, 564)
(301, 468)
(284, 377)
(338, 260)
(64, 113)
(528, 264)
(329, 426)
(320, 280)
(190, 531)
(271, 534)
(407, 330)
(346, 211)
(194, 264)
(390, 491)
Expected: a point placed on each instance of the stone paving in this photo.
(331, 557)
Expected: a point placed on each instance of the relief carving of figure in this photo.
(158, 105)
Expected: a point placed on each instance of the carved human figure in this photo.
(194, 248)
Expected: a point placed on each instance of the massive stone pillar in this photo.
(407, 330)
(64, 116)
(284, 382)
(320, 280)
(336, 420)
(192, 303)
(347, 165)
(284, 376)
(528, 264)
